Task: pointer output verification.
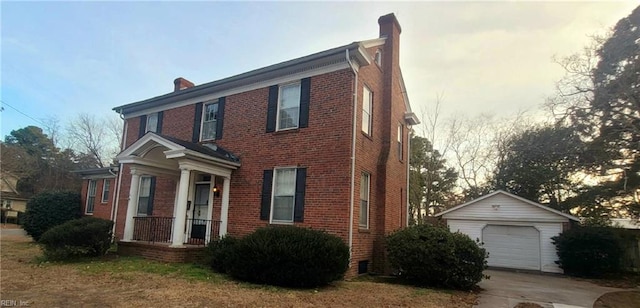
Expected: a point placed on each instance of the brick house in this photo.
(319, 141)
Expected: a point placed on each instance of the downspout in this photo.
(408, 169)
(114, 207)
(353, 153)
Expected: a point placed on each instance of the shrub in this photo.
(220, 252)
(286, 256)
(84, 237)
(49, 209)
(589, 251)
(433, 256)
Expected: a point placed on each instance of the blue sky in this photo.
(64, 58)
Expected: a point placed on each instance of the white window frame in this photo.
(377, 58)
(400, 140)
(273, 195)
(366, 124)
(91, 197)
(280, 87)
(149, 197)
(148, 127)
(367, 200)
(204, 116)
(106, 187)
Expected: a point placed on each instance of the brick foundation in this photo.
(161, 252)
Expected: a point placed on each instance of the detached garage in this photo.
(515, 231)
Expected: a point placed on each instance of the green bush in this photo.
(220, 252)
(285, 256)
(433, 256)
(49, 209)
(589, 251)
(84, 237)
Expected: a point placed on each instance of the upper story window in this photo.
(91, 196)
(152, 122)
(378, 57)
(400, 138)
(289, 106)
(367, 105)
(210, 121)
(106, 186)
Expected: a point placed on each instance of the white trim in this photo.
(366, 89)
(146, 127)
(204, 108)
(241, 89)
(571, 217)
(373, 42)
(368, 175)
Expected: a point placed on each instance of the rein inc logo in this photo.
(13, 303)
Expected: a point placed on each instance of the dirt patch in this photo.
(104, 284)
(622, 299)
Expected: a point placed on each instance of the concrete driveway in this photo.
(507, 289)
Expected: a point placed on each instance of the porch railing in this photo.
(202, 231)
(152, 229)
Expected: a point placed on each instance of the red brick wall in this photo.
(161, 253)
(100, 210)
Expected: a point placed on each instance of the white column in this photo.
(131, 206)
(210, 209)
(181, 209)
(224, 211)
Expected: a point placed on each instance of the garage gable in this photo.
(501, 205)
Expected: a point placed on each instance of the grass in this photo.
(129, 281)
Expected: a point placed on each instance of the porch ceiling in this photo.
(169, 153)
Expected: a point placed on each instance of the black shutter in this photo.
(152, 192)
(159, 128)
(265, 206)
(272, 109)
(305, 96)
(143, 126)
(301, 181)
(220, 118)
(197, 118)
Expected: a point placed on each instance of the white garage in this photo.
(515, 231)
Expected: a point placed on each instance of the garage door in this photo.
(512, 246)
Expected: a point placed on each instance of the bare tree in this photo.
(98, 138)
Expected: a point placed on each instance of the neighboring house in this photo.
(13, 204)
(515, 231)
(319, 141)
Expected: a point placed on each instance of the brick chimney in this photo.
(390, 28)
(181, 84)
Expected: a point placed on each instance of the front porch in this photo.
(178, 197)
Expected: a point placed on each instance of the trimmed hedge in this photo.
(282, 255)
(433, 256)
(589, 251)
(49, 209)
(84, 237)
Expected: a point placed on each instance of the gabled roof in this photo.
(327, 57)
(178, 148)
(546, 208)
(98, 172)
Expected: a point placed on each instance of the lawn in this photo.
(114, 281)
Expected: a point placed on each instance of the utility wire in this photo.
(24, 114)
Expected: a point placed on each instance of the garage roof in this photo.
(571, 217)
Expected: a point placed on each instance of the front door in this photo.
(200, 212)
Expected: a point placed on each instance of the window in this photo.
(364, 200)
(210, 121)
(145, 195)
(400, 137)
(367, 103)
(105, 190)
(289, 106)
(378, 58)
(91, 196)
(6, 204)
(284, 190)
(152, 122)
